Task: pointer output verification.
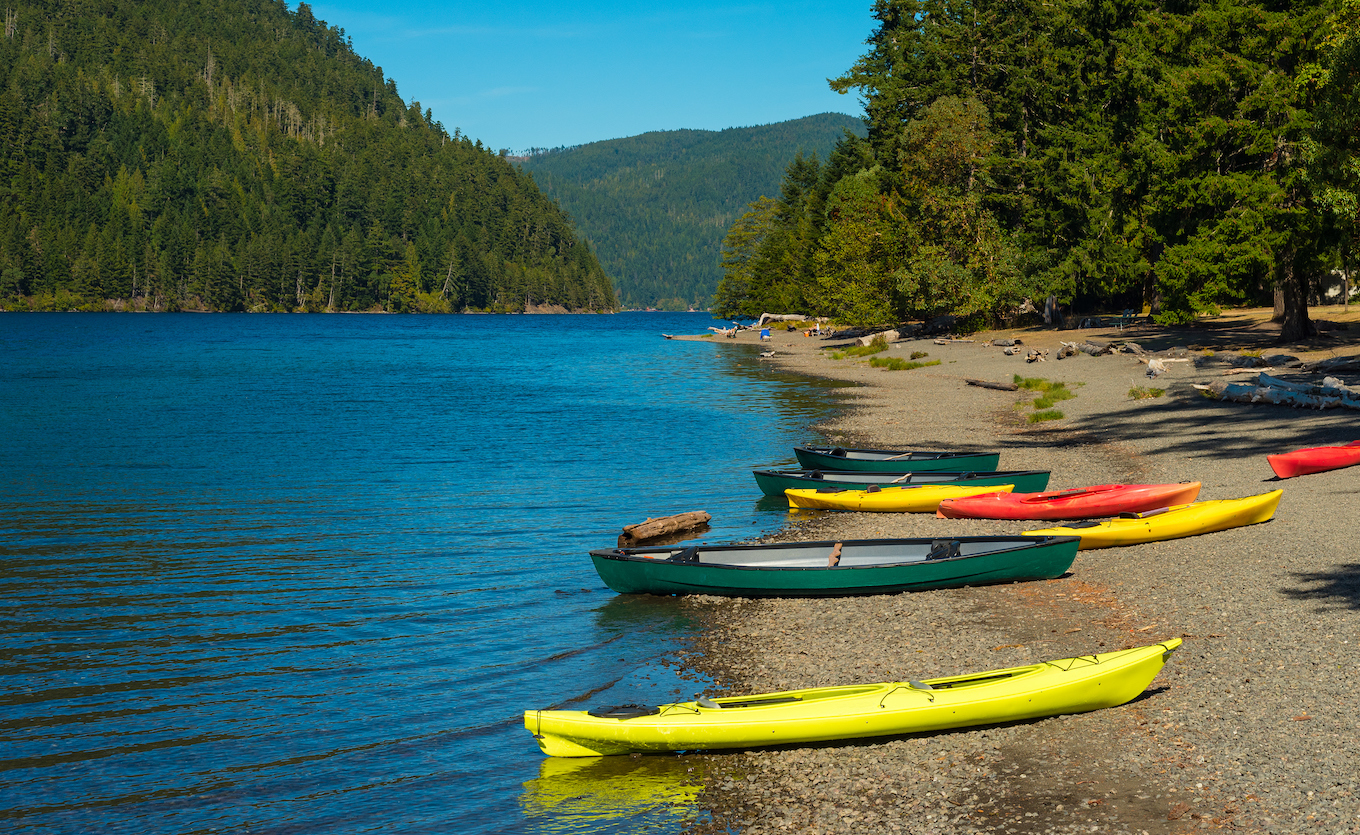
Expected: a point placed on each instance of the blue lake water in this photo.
(302, 574)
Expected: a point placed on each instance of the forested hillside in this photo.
(656, 206)
(1176, 156)
(233, 155)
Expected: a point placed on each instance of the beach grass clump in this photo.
(1046, 414)
(1145, 393)
(916, 355)
(899, 364)
(1050, 392)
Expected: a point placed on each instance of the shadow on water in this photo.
(1338, 588)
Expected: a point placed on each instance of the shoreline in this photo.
(1227, 736)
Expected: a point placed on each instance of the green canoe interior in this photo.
(814, 555)
(775, 482)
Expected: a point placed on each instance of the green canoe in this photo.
(862, 566)
(893, 460)
(775, 482)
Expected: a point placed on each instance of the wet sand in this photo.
(1251, 727)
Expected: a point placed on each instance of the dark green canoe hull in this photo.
(890, 460)
(775, 482)
(982, 561)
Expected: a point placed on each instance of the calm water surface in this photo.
(302, 574)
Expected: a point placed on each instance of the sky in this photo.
(544, 74)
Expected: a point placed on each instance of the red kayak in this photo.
(1079, 503)
(1316, 459)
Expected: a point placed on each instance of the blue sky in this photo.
(548, 74)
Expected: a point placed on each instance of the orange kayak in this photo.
(1079, 503)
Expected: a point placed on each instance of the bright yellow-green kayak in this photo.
(923, 499)
(1171, 523)
(1069, 685)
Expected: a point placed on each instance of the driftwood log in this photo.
(1331, 394)
(1333, 364)
(988, 384)
(890, 336)
(780, 317)
(664, 526)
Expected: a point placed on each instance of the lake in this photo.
(303, 574)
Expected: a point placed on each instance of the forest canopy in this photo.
(1168, 156)
(234, 155)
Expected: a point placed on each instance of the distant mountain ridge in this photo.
(657, 206)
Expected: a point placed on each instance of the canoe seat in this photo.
(873, 488)
(838, 452)
(690, 554)
(943, 549)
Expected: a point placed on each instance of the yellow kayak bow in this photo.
(1171, 523)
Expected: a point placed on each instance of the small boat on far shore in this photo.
(892, 460)
(1172, 522)
(1318, 459)
(1078, 503)
(775, 482)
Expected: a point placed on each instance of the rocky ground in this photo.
(1251, 727)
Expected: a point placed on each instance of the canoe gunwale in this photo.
(689, 555)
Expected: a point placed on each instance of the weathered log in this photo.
(943, 341)
(890, 336)
(779, 317)
(1005, 343)
(988, 384)
(664, 526)
(1035, 355)
(1331, 395)
(1334, 364)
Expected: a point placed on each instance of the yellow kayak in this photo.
(1069, 685)
(1170, 523)
(925, 498)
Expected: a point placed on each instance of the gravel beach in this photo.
(1251, 727)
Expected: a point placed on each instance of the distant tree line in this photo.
(1169, 155)
(233, 155)
(656, 206)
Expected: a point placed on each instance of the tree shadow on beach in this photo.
(1336, 588)
(1187, 424)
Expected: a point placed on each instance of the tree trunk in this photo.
(1292, 292)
